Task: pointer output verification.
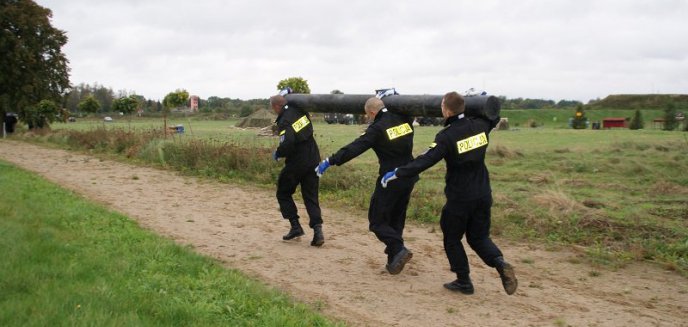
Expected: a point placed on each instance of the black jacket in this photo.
(462, 144)
(297, 144)
(391, 137)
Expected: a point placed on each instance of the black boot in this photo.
(399, 260)
(463, 285)
(507, 274)
(295, 230)
(318, 238)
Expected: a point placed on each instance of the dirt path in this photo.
(241, 226)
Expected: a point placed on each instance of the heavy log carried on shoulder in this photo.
(410, 105)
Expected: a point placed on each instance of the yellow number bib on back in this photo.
(399, 131)
(472, 143)
(300, 124)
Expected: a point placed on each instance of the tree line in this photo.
(107, 99)
(521, 103)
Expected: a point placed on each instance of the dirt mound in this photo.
(346, 279)
(260, 118)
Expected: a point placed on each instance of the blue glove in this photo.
(389, 176)
(274, 156)
(320, 170)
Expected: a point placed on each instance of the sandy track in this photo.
(241, 226)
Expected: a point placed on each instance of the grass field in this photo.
(68, 262)
(619, 194)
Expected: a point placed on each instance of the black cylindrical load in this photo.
(410, 105)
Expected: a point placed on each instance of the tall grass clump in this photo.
(220, 159)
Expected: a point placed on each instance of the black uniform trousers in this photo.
(387, 212)
(473, 219)
(289, 179)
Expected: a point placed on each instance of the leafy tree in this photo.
(32, 65)
(297, 85)
(175, 99)
(41, 115)
(579, 119)
(126, 105)
(637, 121)
(670, 122)
(336, 91)
(89, 105)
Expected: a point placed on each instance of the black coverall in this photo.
(10, 121)
(462, 144)
(298, 146)
(391, 137)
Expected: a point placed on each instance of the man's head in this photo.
(372, 107)
(452, 104)
(277, 102)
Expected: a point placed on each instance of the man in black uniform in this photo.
(462, 144)
(391, 137)
(10, 121)
(298, 146)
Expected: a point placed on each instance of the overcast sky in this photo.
(574, 50)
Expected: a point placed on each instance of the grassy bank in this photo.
(618, 194)
(71, 263)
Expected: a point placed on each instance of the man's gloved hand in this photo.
(389, 176)
(285, 91)
(274, 156)
(320, 170)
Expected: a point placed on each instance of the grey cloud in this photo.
(533, 48)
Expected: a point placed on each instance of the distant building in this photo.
(614, 123)
(193, 103)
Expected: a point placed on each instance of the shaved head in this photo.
(277, 102)
(373, 105)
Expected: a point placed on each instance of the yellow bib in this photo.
(399, 131)
(300, 124)
(472, 143)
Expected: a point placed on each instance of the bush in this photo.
(637, 121)
(670, 122)
(40, 115)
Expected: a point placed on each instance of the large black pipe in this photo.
(411, 105)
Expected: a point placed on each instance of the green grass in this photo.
(67, 262)
(621, 194)
(558, 118)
